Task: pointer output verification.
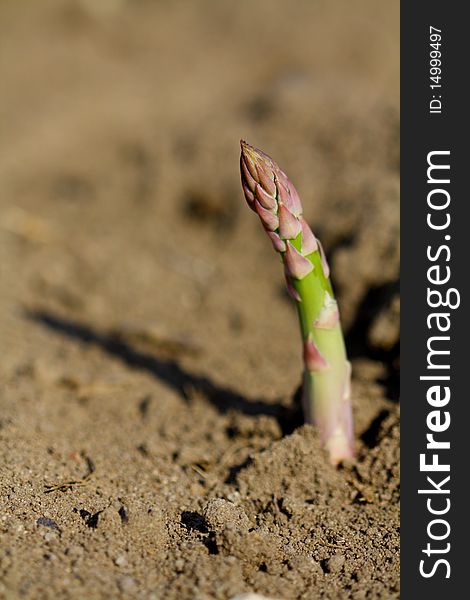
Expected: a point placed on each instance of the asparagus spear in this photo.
(327, 372)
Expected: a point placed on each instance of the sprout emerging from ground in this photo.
(327, 372)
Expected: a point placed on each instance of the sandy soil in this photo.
(152, 445)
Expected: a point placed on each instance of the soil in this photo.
(152, 443)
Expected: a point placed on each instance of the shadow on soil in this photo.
(358, 344)
(170, 372)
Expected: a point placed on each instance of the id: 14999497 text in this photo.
(435, 70)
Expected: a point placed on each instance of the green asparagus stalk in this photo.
(327, 372)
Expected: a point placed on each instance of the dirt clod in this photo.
(220, 513)
(335, 563)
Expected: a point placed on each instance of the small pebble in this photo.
(179, 565)
(305, 565)
(120, 560)
(335, 563)
(126, 584)
(47, 523)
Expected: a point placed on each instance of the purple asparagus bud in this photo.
(294, 204)
(270, 193)
(290, 201)
(324, 262)
(309, 241)
(247, 178)
(289, 225)
(249, 197)
(297, 265)
(267, 182)
(249, 161)
(278, 244)
(269, 218)
(313, 357)
(264, 198)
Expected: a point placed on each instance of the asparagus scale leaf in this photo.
(327, 372)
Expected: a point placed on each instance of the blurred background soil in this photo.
(151, 441)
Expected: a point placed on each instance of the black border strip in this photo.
(422, 133)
